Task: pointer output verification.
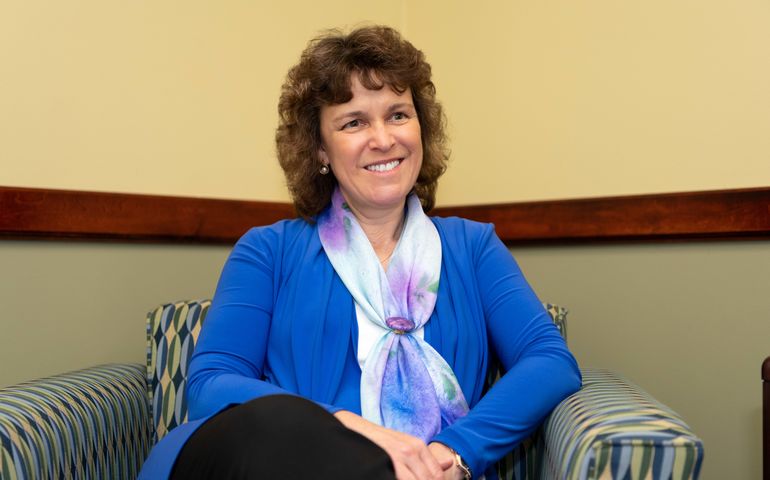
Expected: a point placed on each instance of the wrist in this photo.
(349, 419)
(462, 467)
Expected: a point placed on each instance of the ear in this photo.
(323, 156)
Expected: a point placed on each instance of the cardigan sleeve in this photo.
(227, 366)
(540, 370)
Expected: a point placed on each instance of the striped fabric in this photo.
(90, 424)
(172, 331)
(613, 429)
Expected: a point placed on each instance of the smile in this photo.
(384, 167)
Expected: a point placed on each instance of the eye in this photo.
(399, 117)
(352, 124)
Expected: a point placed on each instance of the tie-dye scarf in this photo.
(405, 384)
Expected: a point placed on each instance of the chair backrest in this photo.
(172, 330)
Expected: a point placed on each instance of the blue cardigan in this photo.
(282, 321)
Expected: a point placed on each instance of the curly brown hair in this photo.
(381, 57)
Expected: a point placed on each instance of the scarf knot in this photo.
(399, 325)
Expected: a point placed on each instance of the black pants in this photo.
(280, 437)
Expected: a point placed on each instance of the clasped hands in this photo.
(412, 458)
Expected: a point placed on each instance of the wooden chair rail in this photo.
(65, 214)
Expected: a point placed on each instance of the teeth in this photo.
(383, 167)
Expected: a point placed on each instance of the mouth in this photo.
(385, 165)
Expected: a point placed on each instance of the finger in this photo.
(442, 454)
(423, 465)
(446, 463)
(435, 469)
(405, 453)
(402, 471)
(419, 469)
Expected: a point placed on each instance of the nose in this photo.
(381, 137)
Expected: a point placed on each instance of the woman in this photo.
(354, 342)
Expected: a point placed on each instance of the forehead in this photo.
(361, 96)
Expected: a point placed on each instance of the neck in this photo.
(382, 228)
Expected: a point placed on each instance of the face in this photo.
(373, 145)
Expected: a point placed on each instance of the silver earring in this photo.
(324, 169)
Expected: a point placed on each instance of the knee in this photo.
(268, 434)
(274, 418)
(279, 411)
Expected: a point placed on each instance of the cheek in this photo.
(417, 137)
(345, 148)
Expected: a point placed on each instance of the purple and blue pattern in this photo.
(405, 384)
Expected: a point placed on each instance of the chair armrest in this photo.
(91, 423)
(613, 429)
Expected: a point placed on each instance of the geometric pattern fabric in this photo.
(172, 331)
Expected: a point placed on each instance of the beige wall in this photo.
(576, 99)
(545, 100)
(167, 97)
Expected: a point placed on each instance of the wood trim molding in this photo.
(716, 214)
(63, 214)
(66, 214)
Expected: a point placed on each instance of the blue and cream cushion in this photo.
(172, 331)
(92, 423)
(613, 429)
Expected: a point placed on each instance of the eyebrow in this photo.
(360, 113)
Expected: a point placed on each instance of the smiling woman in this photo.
(354, 342)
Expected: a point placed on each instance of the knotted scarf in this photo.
(405, 384)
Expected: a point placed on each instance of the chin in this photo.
(383, 202)
(391, 197)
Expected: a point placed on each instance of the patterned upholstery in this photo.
(92, 423)
(100, 422)
(613, 429)
(559, 316)
(172, 331)
(609, 429)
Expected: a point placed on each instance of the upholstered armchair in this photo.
(102, 421)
